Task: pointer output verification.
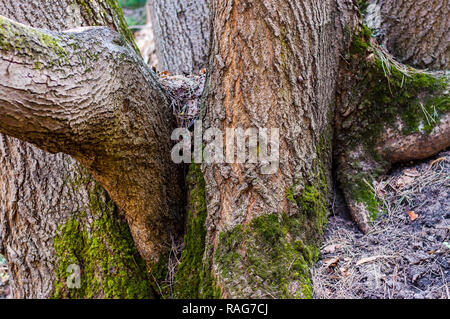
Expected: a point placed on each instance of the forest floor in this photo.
(406, 253)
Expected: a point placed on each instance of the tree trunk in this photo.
(415, 31)
(182, 34)
(273, 64)
(309, 69)
(42, 195)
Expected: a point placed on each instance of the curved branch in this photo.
(417, 146)
(87, 93)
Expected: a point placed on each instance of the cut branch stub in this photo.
(88, 94)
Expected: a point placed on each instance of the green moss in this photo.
(122, 24)
(53, 43)
(115, 11)
(272, 255)
(383, 98)
(28, 42)
(37, 65)
(111, 266)
(360, 42)
(363, 5)
(193, 279)
(268, 255)
(361, 192)
(385, 95)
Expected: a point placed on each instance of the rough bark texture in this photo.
(389, 112)
(31, 179)
(120, 133)
(273, 64)
(182, 31)
(415, 31)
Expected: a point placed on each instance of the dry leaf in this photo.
(413, 216)
(331, 262)
(411, 172)
(331, 248)
(371, 259)
(403, 181)
(344, 271)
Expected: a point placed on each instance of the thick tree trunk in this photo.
(415, 31)
(42, 193)
(253, 229)
(182, 31)
(273, 64)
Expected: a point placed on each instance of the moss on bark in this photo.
(110, 265)
(386, 96)
(272, 255)
(193, 278)
(114, 10)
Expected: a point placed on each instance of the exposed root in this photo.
(417, 146)
(387, 112)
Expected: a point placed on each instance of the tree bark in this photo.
(182, 31)
(309, 69)
(389, 112)
(273, 64)
(415, 31)
(35, 211)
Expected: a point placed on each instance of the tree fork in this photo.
(54, 173)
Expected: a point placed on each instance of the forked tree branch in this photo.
(87, 93)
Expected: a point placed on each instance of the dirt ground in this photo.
(406, 253)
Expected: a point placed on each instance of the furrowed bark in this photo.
(119, 132)
(417, 32)
(273, 64)
(388, 112)
(31, 177)
(42, 192)
(182, 34)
